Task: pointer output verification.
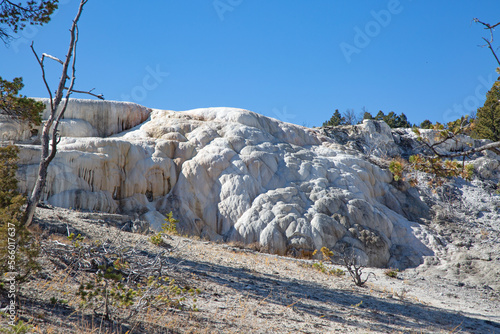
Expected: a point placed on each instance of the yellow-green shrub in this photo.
(18, 249)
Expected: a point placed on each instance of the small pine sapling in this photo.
(168, 228)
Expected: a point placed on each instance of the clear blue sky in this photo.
(295, 60)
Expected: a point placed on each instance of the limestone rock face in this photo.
(370, 137)
(234, 175)
(11, 130)
(95, 118)
(82, 118)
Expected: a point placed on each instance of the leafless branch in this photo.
(487, 25)
(69, 90)
(353, 265)
(432, 147)
(490, 146)
(99, 96)
(44, 78)
(489, 42)
(492, 51)
(49, 149)
(88, 257)
(45, 55)
(453, 134)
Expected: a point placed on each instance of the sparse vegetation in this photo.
(19, 328)
(393, 273)
(17, 106)
(402, 294)
(170, 225)
(349, 260)
(113, 294)
(487, 122)
(18, 248)
(167, 228)
(238, 288)
(320, 266)
(440, 166)
(117, 283)
(439, 169)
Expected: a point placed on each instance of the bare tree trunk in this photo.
(49, 142)
(36, 194)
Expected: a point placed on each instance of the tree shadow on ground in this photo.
(70, 320)
(337, 305)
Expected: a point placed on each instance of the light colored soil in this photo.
(243, 291)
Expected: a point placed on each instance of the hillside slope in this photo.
(241, 290)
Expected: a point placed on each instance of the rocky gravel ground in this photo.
(242, 290)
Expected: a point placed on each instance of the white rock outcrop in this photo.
(234, 175)
(82, 118)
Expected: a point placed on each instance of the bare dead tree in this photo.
(353, 265)
(50, 136)
(350, 117)
(489, 41)
(113, 265)
(347, 257)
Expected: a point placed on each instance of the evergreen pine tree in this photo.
(391, 119)
(426, 124)
(402, 121)
(380, 116)
(22, 261)
(367, 115)
(487, 124)
(17, 106)
(335, 120)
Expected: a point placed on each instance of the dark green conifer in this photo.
(487, 124)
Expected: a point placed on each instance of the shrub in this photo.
(170, 225)
(393, 273)
(434, 164)
(168, 228)
(320, 266)
(350, 261)
(19, 328)
(107, 290)
(426, 124)
(125, 285)
(440, 169)
(18, 248)
(110, 291)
